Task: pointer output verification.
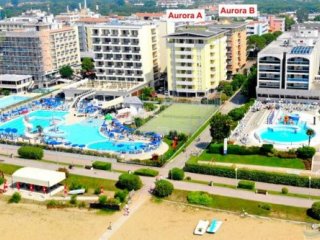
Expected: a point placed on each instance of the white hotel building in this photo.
(288, 68)
(126, 52)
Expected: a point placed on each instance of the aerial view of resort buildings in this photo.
(159, 119)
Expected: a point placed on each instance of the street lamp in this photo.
(309, 186)
(236, 170)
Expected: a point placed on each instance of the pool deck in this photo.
(253, 122)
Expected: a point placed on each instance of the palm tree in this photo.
(39, 129)
(310, 132)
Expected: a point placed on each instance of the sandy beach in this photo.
(171, 221)
(31, 221)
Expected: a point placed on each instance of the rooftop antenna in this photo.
(85, 4)
(97, 7)
(67, 8)
(80, 6)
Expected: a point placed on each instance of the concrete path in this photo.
(316, 163)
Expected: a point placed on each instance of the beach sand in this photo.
(172, 221)
(31, 221)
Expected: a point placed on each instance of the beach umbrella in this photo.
(18, 186)
(44, 189)
(67, 143)
(7, 130)
(81, 145)
(74, 145)
(31, 188)
(14, 130)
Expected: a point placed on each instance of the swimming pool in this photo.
(284, 133)
(10, 100)
(86, 132)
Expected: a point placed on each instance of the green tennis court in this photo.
(185, 118)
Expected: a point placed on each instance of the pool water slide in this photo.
(81, 97)
(28, 128)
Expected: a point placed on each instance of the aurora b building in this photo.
(288, 68)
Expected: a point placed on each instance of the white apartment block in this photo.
(288, 67)
(257, 27)
(126, 52)
(174, 3)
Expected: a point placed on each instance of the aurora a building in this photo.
(288, 68)
(197, 61)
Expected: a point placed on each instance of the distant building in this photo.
(197, 61)
(257, 27)
(38, 53)
(149, 16)
(276, 24)
(288, 67)
(15, 83)
(174, 3)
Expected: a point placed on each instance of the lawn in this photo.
(185, 118)
(260, 160)
(251, 207)
(8, 168)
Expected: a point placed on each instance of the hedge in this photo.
(201, 198)
(146, 172)
(253, 175)
(30, 152)
(101, 165)
(176, 174)
(245, 184)
(306, 152)
(234, 149)
(315, 210)
(163, 188)
(121, 195)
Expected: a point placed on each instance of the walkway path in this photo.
(316, 163)
(137, 202)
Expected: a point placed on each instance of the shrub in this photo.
(265, 206)
(163, 188)
(246, 184)
(62, 169)
(82, 204)
(76, 185)
(188, 178)
(1, 180)
(176, 174)
(149, 107)
(73, 200)
(315, 210)
(129, 182)
(201, 198)
(146, 172)
(253, 175)
(215, 148)
(103, 199)
(30, 152)
(284, 190)
(285, 154)
(101, 165)
(305, 152)
(242, 150)
(97, 191)
(265, 149)
(15, 198)
(113, 203)
(121, 195)
(237, 113)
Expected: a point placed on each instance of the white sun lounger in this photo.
(201, 227)
(214, 226)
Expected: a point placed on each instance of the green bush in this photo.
(200, 198)
(101, 165)
(305, 152)
(73, 200)
(176, 174)
(15, 198)
(237, 113)
(246, 184)
(102, 199)
(1, 180)
(64, 170)
(215, 148)
(163, 188)
(243, 150)
(146, 172)
(97, 191)
(285, 154)
(315, 210)
(265, 206)
(253, 175)
(30, 152)
(121, 195)
(284, 190)
(112, 203)
(129, 182)
(265, 149)
(76, 185)
(188, 178)
(149, 107)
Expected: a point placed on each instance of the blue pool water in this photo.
(86, 132)
(285, 133)
(10, 100)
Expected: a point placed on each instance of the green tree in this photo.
(87, 64)
(249, 87)
(39, 129)
(288, 22)
(257, 42)
(269, 37)
(220, 127)
(129, 182)
(317, 18)
(163, 188)
(66, 71)
(146, 93)
(310, 132)
(302, 15)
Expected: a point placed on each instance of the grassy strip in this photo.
(8, 169)
(91, 183)
(258, 160)
(194, 135)
(296, 195)
(251, 207)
